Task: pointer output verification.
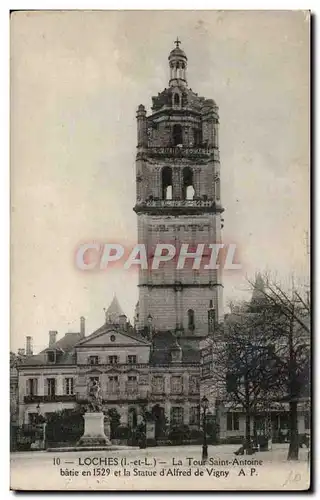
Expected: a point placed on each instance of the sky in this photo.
(77, 79)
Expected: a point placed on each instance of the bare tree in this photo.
(292, 313)
(245, 362)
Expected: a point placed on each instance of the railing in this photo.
(50, 399)
(179, 151)
(178, 203)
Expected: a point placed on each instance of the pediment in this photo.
(94, 371)
(131, 370)
(113, 370)
(112, 338)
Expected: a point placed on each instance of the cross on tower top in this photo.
(177, 41)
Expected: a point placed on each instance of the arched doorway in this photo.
(132, 418)
(114, 417)
(159, 419)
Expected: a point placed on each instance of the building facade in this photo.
(133, 374)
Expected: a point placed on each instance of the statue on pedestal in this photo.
(94, 431)
(94, 395)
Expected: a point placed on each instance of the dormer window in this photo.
(93, 360)
(51, 356)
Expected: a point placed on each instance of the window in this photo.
(51, 356)
(51, 386)
(197, 137)
(93, 360)
(158, 385)
(191, 319)
(132, 359)
(195, 415)
(176, 100)
(132, 384)
(32, 387)
(232, 421)
(93, 379)
(112, 338)
(166, 183)
(68, 385)
(176, 385)
(113, 360)
(232, 382)
(113, 384)
(188, 189)
(177, 135)
(211, 320)
(193, 384)
(176, 415)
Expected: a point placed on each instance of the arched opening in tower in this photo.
(166, 183)
(188, 189)
(176, 100)
(177, 135)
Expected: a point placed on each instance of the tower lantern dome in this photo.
(178, 66)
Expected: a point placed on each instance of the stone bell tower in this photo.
(178, 202)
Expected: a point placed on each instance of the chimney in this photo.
(21, 351)
(29, 346)
(52, 337)
(123, 321)
(82, 327)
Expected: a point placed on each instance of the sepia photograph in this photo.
(160, 322)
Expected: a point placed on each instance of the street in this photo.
(160, 468)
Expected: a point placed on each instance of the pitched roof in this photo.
(258, 293)
(65, 344)
(163, 343)
(114, 311)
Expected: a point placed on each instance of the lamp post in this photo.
(41, 421)
(204, 404)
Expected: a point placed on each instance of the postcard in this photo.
(160, 248)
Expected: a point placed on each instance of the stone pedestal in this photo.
(107, 430)
(94, 434)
